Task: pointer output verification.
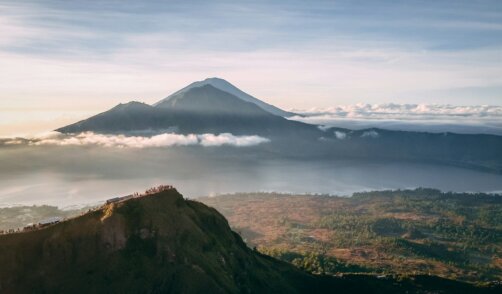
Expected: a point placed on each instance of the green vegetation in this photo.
(422, 231)
(314, 262)
(161, 243)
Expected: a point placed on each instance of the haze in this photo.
(66, 176)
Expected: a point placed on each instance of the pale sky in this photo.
(63, 60)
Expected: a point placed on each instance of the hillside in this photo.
(421, 231)
(161, 243)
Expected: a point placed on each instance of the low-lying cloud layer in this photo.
(122, 141)
(409, 117)
(406, 111)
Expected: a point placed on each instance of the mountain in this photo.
(207, 109)
(158, 243)
(129, 116)
(162, 243)
(203, 109)
(207, 99)
(229, 88)
(477, 151)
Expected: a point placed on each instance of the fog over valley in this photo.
(211, 138)
(77, 175)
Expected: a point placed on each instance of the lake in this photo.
(69, 176)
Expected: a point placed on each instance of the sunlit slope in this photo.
(158, 243)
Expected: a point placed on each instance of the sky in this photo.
(64, 60)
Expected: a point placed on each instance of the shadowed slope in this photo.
(204, 109)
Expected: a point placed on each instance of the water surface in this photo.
(67, 176)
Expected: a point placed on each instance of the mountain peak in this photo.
(207, 99)
(212, 79)
(132, 104)
(226, 86)
(202, 109)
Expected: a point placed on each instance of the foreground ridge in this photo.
(159, 242)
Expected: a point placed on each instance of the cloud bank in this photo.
(408, 117)
(406, 111)
(122, 141)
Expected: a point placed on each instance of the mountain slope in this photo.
(161, 243)
(130, 116)
(207, 99)
(225, 86)
(204, 109)
(464, 150)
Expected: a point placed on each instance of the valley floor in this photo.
(423, 231)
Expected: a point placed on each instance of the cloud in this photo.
(370, 134)
(405, 111)
(340, 135)
(229, 139)
(100, 55)
(122, 141)
(473, 119)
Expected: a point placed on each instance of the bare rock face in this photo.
(113, 234)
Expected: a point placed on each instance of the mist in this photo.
(66, 176)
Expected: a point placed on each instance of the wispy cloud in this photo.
(122, 141)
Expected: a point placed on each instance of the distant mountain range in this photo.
(215, 106)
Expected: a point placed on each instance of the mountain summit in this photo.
(225, 86)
